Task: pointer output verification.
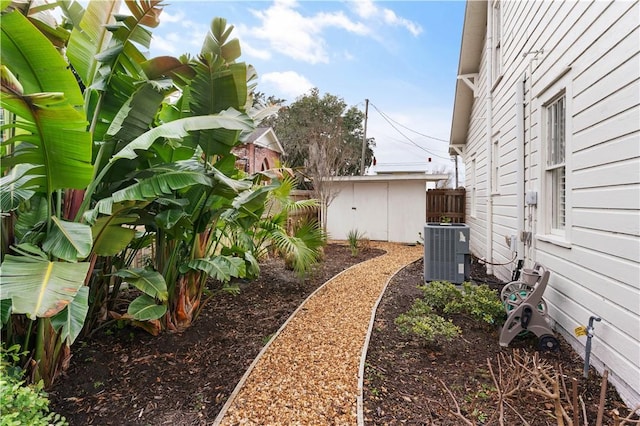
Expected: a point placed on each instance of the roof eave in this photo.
(473, 35)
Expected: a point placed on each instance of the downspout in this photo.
(489, 130)
(520, 165)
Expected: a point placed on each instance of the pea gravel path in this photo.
(308, 374)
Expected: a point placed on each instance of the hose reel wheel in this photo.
(515, 298)
(548, 343)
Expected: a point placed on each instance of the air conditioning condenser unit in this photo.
(446, 252)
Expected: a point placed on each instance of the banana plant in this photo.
(49, 148)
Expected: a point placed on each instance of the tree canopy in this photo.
(325, 127)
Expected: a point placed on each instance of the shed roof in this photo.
(391, 177)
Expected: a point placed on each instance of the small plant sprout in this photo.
(356, 241)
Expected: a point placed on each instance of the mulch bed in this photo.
(126, 377)
(408, 381)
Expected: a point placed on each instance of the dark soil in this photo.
(122, 376)
(408, 381)
(127, 377)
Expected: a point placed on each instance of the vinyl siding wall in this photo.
(591, 53)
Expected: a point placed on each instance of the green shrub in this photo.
(422, 321)
(482, 303)
(478, 301)
(442, 297)
(439, 294)
(22, 404)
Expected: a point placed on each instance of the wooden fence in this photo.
(446, 205)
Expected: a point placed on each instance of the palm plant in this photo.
(283, 229)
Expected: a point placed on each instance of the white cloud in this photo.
(391, 18)
(367, 9)
(288, 84)
(176, 34)
(167, 17)
(163, 46)
(290, 33)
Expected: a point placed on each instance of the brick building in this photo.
(261, 151)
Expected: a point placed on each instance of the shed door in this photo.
(370, 201)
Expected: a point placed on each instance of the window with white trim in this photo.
(496, 33)
(555, 167)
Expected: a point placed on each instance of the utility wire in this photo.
(388, 120)
(418, 133)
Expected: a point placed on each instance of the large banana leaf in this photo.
(5, 311)
(178, 129)
(69, 241)
(167, 66)
(221, 268)
(121, 55)
(31, 56)
(110, 237)
(37, 287)
(15, 188)
(91, 37)
(137, 114)
(145, 308)
(71, 320)
(31, 223)
(53, 139)
(148, 281)
(217, 41)
(162, 184)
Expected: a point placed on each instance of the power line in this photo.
(388, 120)
(418, 133)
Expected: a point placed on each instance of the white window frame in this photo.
(496, 48)
(552, 162)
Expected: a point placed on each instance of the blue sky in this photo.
(401, 55)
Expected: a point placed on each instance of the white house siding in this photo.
(591, 50)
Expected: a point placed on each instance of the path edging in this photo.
(365, 348)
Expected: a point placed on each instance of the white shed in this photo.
(383, 207)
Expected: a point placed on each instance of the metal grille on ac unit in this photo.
(446, 252)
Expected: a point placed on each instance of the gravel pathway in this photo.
(308, 374)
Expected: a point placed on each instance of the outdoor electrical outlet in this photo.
(525, 237)
(531, 198)
(514, 243)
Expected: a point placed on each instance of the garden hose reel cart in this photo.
(526, 310)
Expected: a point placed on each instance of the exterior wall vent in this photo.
(446, 252)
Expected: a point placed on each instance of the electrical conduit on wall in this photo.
(489, 133)
(519, 104)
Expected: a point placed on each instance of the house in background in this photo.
(261, 151)
(547, 120)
